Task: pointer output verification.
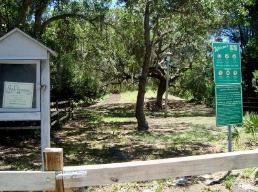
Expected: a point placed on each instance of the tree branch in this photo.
(23, 10)
(162, 35)
(66, 16)
(177, 74)
(156, 72)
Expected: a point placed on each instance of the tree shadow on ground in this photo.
(179, 108)
(94, 145)
(20, 150)
(89, 139)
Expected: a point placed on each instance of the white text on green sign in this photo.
(227, 63)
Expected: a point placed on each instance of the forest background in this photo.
(106, 46)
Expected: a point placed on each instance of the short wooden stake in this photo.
(53, 161)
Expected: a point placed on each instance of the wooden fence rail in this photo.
(92, 175)
(60, 112)
(163, 168)
(27, 181)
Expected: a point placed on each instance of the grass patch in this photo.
(249, 173)
(229, 181)
(118, 120)
(131, 96)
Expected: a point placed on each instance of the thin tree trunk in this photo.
(160, 93)
(41, 6)
(23, 11)
(139, 110)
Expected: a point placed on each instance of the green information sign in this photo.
(227, 63)
(229, 109)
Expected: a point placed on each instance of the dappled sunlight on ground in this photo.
(107, 133)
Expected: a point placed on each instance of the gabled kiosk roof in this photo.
(18, 45)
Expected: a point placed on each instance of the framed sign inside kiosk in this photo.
(19, 86)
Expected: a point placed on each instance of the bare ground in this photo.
(106, 133)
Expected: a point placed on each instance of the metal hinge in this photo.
(71, 174)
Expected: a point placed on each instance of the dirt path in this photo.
(112, 99)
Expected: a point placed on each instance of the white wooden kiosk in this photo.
(25, 81)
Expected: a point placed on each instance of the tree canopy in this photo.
(100, 44)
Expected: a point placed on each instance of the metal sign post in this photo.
(168, 63)
(229, 138)
(167, 85)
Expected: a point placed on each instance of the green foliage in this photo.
(255, 74)
(248, 173)
(255, 77)
(64, 26)
(251, 123)
(99, 46)
(236, 134)
(229, 181)
(70, 76)
(196, 85)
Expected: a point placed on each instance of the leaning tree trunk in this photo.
(139, 110)
(160, 93)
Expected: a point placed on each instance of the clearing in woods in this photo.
(106, 132)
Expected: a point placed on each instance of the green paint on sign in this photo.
(229, 109)
(227, 63)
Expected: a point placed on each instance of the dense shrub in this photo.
(196, 85)
(251, 123)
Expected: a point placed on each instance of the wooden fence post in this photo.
(53, 161)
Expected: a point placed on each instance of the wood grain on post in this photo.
(53, 161)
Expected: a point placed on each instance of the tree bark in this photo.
(139, 110)
(41, 6)
(23, 11)
(160, 93)
(66, 16)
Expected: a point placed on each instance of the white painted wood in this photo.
(55, 113)
(54, 150)
(36, 62)
(19, 127)
(33, 116)
(18, 45)
(159, 169)
(19, 61)
(38, 85)
(64, 118)
(45, 105)
(26, 181)
(53, 123)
